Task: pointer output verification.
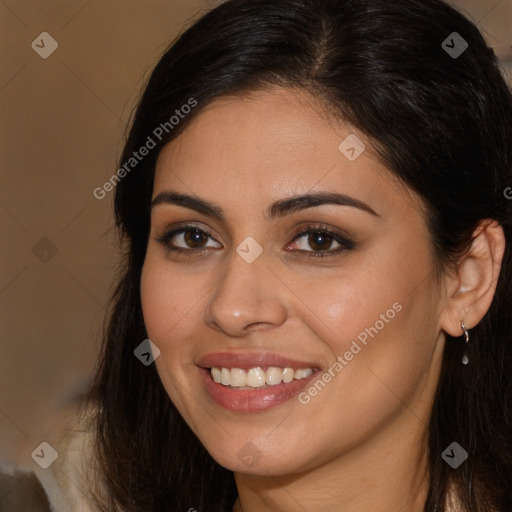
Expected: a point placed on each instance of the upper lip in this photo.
(247, 360)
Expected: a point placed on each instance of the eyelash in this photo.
(324, 230)
(310, 229)
(166, 238)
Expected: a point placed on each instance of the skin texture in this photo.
(360, 444)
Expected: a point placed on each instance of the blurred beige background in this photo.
(62, 129)
(63, 120)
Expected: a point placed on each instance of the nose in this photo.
(247, 297)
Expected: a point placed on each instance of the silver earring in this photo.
(465, 359)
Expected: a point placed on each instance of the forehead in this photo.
(269, 144)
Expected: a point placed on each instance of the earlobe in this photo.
(473, 285)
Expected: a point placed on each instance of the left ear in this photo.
(471, 288)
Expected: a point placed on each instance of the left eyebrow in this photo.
(187, 201)
(285, 206)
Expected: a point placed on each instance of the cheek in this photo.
(353, 302)
(167, 301)
(381, 322)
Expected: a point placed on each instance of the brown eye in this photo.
(319, 241)
(187, 239)
(195, 238)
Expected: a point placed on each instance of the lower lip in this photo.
(255, 400)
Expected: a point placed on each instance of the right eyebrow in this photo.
(291, 204)
(188, 201)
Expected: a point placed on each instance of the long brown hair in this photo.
(441, 123)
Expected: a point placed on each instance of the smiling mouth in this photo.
(254, 388)
(253, 381)
(258, 377)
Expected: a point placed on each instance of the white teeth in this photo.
(257, 377)
(216, 374)
(288, 375)
(273, 376)
(301, 374)
(238, 378)
(225, 377)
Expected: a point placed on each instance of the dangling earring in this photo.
(465, 359)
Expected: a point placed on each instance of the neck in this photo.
(388, 473)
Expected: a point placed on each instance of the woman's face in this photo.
(353, 299)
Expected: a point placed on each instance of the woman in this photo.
(313, 197)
